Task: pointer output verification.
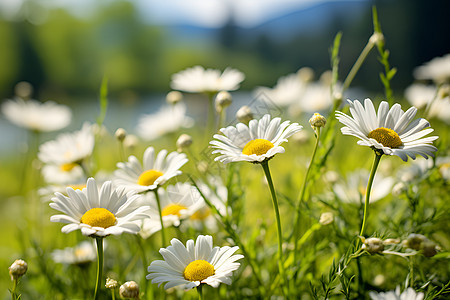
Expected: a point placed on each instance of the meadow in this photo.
(306, 194)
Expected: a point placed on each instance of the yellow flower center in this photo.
(148, 177)
(172, 209)
(201, 214)
(198, 270)
(78, 186)
(257, 146)
(387, 137)
(98, 217)
(67, 167)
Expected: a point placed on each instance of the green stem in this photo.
(13, 292)
(200, 292)
(362, 57)
(265, 166)
(163, 236)
(144, 264)
(113, 294)
(376, 161)
(99, 241)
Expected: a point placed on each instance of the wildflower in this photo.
(129, 289)
(69, 148)
(194, 264)
(184, 142)
(178, 202)
(354, 188)
(317, 121)
(63, 174)
(99, 213)
(200, 80)
(315, 97)
(35, 115)
(173, 97)
(18, 268)
(244, 114)
(152, 173)
(421, 243)
(81, 254)
(408, 294)
(420, 95)
(437, 69)
(287, 90)
(390, 132)
(257, 142)
(168, 119)
(111, 283)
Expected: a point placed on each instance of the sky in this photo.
(204, 13)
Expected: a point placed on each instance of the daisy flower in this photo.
(194, 264)
(37, 116)
(288, 90)
(200, 80)
(83, 253)
(64, 174)
(354, 189)
(152, 126)
(152, 173)
(437, 69)
(256, 143)
(99, 213)
(178, 202)
(69, 149)
(390, 131)
(408, 294)
(420, 95)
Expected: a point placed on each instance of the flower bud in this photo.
(183, 142)
(223, 100)
(244, 114)
(120, 134)
(130, 141)
(373, 245)
(129, 289)
(326, 218)
(111, 283)
(18, 268)
(317, 121)
(174, 97)
(377, 37)
(429, 248)
(414, 241)
(23, 90)
(391, 241)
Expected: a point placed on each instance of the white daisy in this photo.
(419, 95)
(37, 116)
(408, 294)
(288, 90)
(257, 142)
(316, 97)
(200, 80)
(168, 119)
(64, 174)
(193, 265)
(153, 173)
(353, 189)
(178, 202)
(437, 69)
(68, 148)
(99, 213)
(390, 131)
(83, 253)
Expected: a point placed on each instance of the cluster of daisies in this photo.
(138, 199)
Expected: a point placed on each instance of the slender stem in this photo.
(99, 241)
(200, 292)
(13, 292)
(121, 151)
(163, 236)
(144, 264)
(362, 57)
(113, 294)
(265, 166)
(376, 161)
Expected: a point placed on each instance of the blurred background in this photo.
(65, 47)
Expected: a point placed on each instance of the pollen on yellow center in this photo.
(67, 167)
(98, 217)
(198, 270)
(172, 209)
(78, 186)
(257, 146)
(386, 136)
(148, 177)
